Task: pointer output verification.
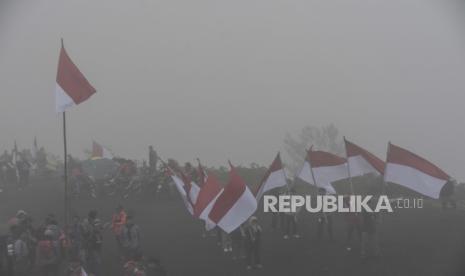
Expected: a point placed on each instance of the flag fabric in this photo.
(361, 161)
(72, 88)
(191, 188)
(99, 151)
(207, 197)
(274, 177)
(323, 168)
(414, 172)
(179, 184)
(235, 204)
(306, 171)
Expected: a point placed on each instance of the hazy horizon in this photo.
(225, 80)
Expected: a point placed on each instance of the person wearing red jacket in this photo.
(117, 222)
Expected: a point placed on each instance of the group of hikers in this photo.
(48, 249)
(245, 241)
(51, 250)
(14, 169)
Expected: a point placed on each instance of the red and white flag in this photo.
(235, 204)
(207, 197)
(99, 151)
(72, 88)
(414, 172)
(323, 168)
(274, 177)
(361, 161)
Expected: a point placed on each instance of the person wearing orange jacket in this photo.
(117, 222)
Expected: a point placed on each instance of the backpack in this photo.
(45, 249)
(10, 247)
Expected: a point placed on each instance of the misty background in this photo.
(225, 80)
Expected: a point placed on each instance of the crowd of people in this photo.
(51, 250)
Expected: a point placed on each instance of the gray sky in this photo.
(228, 79)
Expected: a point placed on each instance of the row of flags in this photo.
(226, 207)
(230, 206)
(401, 167)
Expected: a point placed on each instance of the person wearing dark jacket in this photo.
(253, 234)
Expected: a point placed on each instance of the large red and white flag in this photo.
(99, 151)
(361, 161)
(414, 172)
(72, 88)
(274, 177)
(323, 168)
(235, 204)
(207, 197)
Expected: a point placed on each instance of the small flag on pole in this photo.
(99, 151)
(275, 177)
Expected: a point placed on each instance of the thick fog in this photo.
(225, 80)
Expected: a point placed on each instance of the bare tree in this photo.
(322, 138)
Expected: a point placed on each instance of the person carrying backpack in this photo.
(93, 240)
(131, 238)
(117, 223)
(47, 255)
(253, 233)
(21, 256)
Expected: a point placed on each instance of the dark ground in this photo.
(414, 242)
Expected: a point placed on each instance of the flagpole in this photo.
(383, 188)
(65, 170)
(314, 181)
(348, 169)
(285, 176)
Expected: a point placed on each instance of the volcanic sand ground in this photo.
(424, 241)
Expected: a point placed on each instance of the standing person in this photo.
(117, 223)
(131, 238)
(275, 216)
(354, 224)
(75, 267)
(153, 159)
(226, 242)
(447, 195)
(237, 238)
(324, 220)
(23, 167)
(253, 234)
(290, 221)
(47, 258)
(21, 256)
(93, 240)
(76, 238)
(369, 243)
(291, 225)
